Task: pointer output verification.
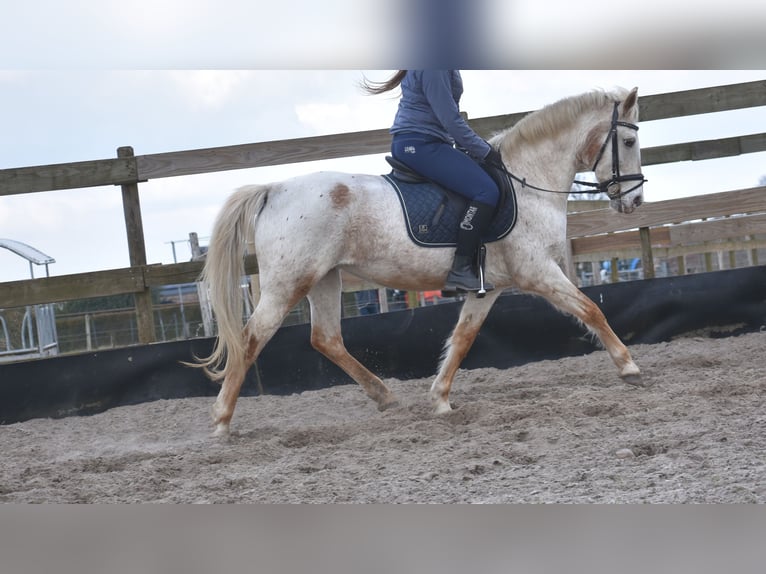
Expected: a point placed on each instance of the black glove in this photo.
(494, 159)
(493, 165)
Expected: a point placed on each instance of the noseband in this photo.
(616, 176)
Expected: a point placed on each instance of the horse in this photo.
(306, 229)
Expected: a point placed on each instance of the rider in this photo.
(426, 129)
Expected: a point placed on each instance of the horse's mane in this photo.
(556, 117)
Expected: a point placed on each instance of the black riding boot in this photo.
(474, 224)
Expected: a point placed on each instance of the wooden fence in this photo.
(666, 228)
(724, 222)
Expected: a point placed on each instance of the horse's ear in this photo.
(630, 101)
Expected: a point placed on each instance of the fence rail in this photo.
(653, 228)
(153, 166)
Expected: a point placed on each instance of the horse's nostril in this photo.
(638, 201)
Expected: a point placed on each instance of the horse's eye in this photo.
(629, 142)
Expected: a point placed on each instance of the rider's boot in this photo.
(462, 276)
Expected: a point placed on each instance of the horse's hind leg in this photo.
(561, 293)
(260, 328)
(325, 301)
(472, 316)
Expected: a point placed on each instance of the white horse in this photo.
(309, 228)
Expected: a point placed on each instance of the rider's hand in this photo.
(494, 159)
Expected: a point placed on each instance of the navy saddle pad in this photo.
(432, 213)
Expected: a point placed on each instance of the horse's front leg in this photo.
(563, 294)
(472, 316)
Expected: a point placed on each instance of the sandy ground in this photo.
(566, 431)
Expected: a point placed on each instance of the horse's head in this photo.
(621, 178)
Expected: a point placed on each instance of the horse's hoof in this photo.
(221, 431)
(388, 404)
(635, 380)
(442, 408)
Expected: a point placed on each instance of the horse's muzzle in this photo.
(622, 206)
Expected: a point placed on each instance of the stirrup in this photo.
(483, 286)
(482, 256)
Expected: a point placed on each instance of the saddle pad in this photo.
(432, 213)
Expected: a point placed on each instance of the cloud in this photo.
(156, 21)
(209, 88)
(83, 230)
(324, 118)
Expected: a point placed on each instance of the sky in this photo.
(190, 74)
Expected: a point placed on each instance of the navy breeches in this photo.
(447, 166)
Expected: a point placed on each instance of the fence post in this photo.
(137, 249)
(595, 269)
(752, 254)
(614, 270)
(383, 299)
(88, 339)
(202, 295)
(647, 258)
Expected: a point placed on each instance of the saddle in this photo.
(432, 212)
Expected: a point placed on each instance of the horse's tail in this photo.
(223, 272)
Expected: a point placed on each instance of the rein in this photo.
(602, 187)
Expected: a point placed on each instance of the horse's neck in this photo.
(549, 163)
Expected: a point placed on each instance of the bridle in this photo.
(617, 177)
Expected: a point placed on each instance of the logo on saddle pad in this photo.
(433, 214)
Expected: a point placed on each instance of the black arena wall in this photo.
(401, 344)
